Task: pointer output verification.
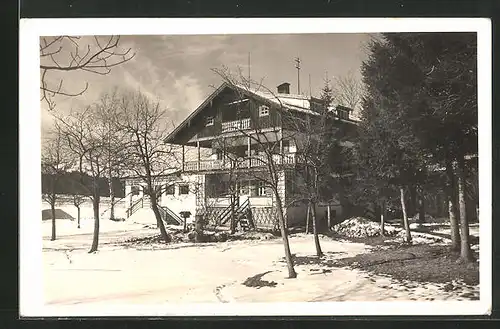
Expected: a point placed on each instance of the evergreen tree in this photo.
(421, 110)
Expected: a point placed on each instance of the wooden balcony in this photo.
(237, 125)
(242, 163)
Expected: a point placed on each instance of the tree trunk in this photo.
(382, 219)
(232, 223)
(95, 206)
(319, 253)
(421, 207)
(308, 217)
(284, 235)
(329, 217)
(405, 216)
(111, 197)
(465, 250)
(185, 225)
(198, 228)
(454, 216)
(376, 210)
(159, 220)
(53, 211)
(78, 216)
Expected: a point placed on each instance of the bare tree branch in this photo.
(63, 54)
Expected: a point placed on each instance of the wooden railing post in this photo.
(183, 158)
(198, 147)
(248, 152)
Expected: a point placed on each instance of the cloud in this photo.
(132, 83)
(189, 91)
(177, 69)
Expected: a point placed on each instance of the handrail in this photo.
(172, 214)
(224, 213)
(243, 205)
(134, 207)
(237, 210)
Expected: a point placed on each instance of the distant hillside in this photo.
(69, 184)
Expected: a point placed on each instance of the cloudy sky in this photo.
(177, 69)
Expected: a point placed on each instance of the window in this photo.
(261, 191)
(286, 146)
(183, 189)
(209, 121)
(219, 154)
(170, 190)
(263, 110)
(343, 114)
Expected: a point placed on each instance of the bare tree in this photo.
(348, 91)
(62, 54)
(143, 123)
(55, 163)
(84, 136)
(313, 144)
(115, 150)
(78, 200)
(270, 158)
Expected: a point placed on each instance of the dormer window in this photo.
(343, 114)
(263, 110)
(209, 121)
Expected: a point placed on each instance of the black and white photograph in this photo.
(255, 167)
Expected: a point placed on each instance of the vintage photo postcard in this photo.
(255, 167)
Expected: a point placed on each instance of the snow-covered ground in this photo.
(66, 227)
(444, 227)
(211, 272)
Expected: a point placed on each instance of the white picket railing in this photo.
(252, 162)
(236, 125)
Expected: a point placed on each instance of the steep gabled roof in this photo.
(193, 114)
(298, 103)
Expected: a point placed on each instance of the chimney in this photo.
(284, 88)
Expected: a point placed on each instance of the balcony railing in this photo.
(236, 125)
(252, 162)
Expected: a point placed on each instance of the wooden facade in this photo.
(236, 124)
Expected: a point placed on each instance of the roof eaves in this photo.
(195, 112)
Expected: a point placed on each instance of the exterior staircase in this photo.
(241, 214)
(168, 216)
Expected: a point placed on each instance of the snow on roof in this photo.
(289, 101)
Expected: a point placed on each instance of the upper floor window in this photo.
(286, 146)
(263, 110)
(343, 114)
(209, 121)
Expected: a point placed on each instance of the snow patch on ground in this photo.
(359, 227)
